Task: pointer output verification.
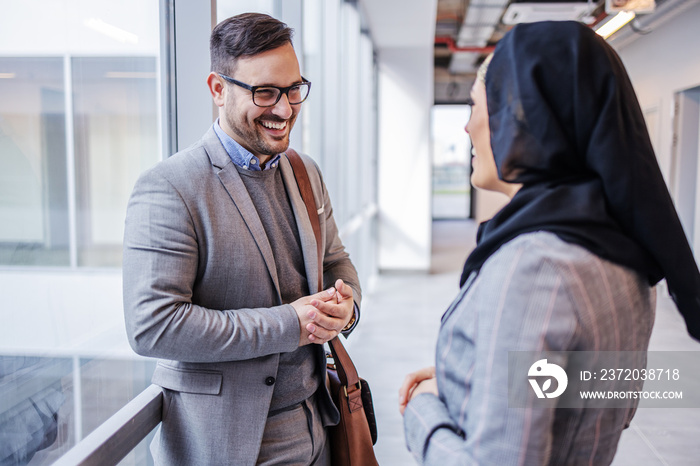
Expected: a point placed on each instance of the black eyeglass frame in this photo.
(283, 90)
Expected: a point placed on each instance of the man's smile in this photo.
(274, 125)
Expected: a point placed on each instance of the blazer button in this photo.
(270, 381)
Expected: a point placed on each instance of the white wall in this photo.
(403, 32)
(661, 64)
(405, 101)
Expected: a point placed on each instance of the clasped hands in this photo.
(323, 315)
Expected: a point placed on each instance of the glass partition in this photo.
(33, 189)
(116, 137)
(79, 121)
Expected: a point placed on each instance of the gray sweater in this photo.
(297, 377)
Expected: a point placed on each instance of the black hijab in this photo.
(565, 122)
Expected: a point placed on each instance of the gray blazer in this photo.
(201, 292)
(536, 293)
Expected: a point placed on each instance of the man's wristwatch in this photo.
(350, 324)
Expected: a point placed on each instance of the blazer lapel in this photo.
(306, 233)
(232, 182)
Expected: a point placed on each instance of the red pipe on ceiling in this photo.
(449, 41)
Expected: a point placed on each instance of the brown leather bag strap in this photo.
(307, 194)
(347, 373)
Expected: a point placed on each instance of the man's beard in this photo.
(254, 137)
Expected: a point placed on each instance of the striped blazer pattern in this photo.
(536, 293)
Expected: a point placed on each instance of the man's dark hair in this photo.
(245, 35)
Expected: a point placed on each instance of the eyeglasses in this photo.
(268, 96)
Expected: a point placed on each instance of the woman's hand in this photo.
(415, 383)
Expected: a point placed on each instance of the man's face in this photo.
(263, 131)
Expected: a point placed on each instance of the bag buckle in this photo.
(345, 388)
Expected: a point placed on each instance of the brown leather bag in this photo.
(353, 438)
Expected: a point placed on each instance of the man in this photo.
(219, 261)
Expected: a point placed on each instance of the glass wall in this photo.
(78, 123)
(34, 191)
(116, 137)
(79, 120)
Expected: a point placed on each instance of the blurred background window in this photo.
(79, 121)
(451, 163)
(33, 181)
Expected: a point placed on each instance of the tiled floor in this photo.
(397, 335)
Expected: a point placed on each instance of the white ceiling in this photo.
(401, 23)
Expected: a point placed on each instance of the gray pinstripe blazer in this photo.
(201, 292)
(536, 293)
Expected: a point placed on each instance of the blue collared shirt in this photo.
(240, 155)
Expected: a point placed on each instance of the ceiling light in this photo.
(114, 32)
(615, 23)
(7, 75)
(530, 12)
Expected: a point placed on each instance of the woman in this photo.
(566, 267)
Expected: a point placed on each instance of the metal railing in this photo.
(115, 438)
